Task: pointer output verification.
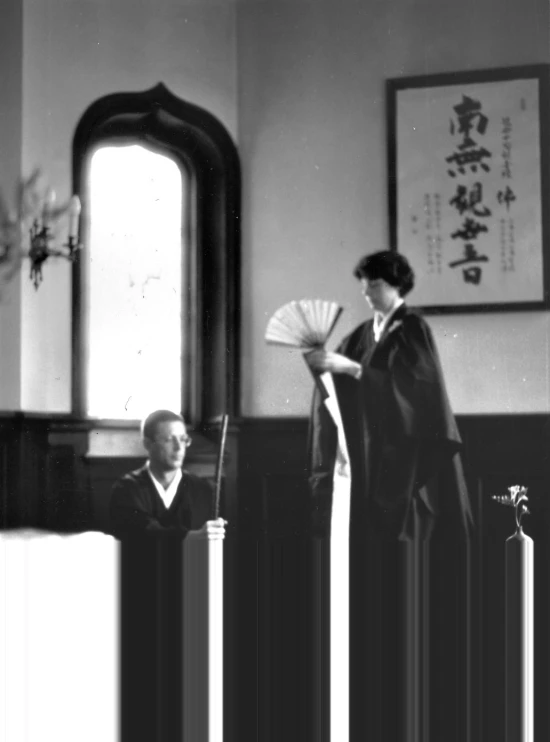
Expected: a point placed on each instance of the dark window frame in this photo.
(204, 150)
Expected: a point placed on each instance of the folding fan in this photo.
(303, 324)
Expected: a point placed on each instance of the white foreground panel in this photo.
(58, 637)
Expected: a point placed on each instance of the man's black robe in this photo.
(151, 607)
(137, 508)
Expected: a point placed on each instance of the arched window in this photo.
(135, 260)
(189, 183)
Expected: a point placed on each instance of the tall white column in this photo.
(519, 638)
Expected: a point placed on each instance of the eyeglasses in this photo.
(184, 440)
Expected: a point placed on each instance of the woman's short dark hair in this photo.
(390, 266)
(149, 425)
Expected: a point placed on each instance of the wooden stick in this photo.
(219, 466)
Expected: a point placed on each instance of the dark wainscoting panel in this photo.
(45, 474)
(272, 475)
(277, 621)
(48, 482)
(499, 451)
(42, 486)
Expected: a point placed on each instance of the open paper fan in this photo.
(303, 324)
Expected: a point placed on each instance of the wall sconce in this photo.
(37, 216)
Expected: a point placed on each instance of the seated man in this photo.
(160, 497)
(159, 500)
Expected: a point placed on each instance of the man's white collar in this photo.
(169, 493)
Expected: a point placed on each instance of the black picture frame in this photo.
(472, 146)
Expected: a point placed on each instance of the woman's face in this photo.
(380, 295)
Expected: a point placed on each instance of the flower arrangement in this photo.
(516, 498)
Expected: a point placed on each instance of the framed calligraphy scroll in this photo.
(468, 187)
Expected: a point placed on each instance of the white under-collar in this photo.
(169, 493)
(381, 321)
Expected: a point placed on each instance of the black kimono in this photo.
(402, 438)
(406, 476)
(151, 573)
(137, 508)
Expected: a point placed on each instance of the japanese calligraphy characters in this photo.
(468, 189)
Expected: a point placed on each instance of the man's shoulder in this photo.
(189, 479)
(135, 477)
(198, 492)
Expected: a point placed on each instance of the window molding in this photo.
(203, 148)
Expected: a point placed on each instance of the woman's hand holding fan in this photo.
(307, 324)
(321, 361)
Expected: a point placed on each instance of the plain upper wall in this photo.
(76, 51)
(11, 56)
(301, 87)
(312, 136)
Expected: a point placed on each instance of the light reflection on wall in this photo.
(135, 269)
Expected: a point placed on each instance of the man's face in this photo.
(167, 449)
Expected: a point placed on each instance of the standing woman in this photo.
(406, 477)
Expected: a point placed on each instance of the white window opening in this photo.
(135, 263)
